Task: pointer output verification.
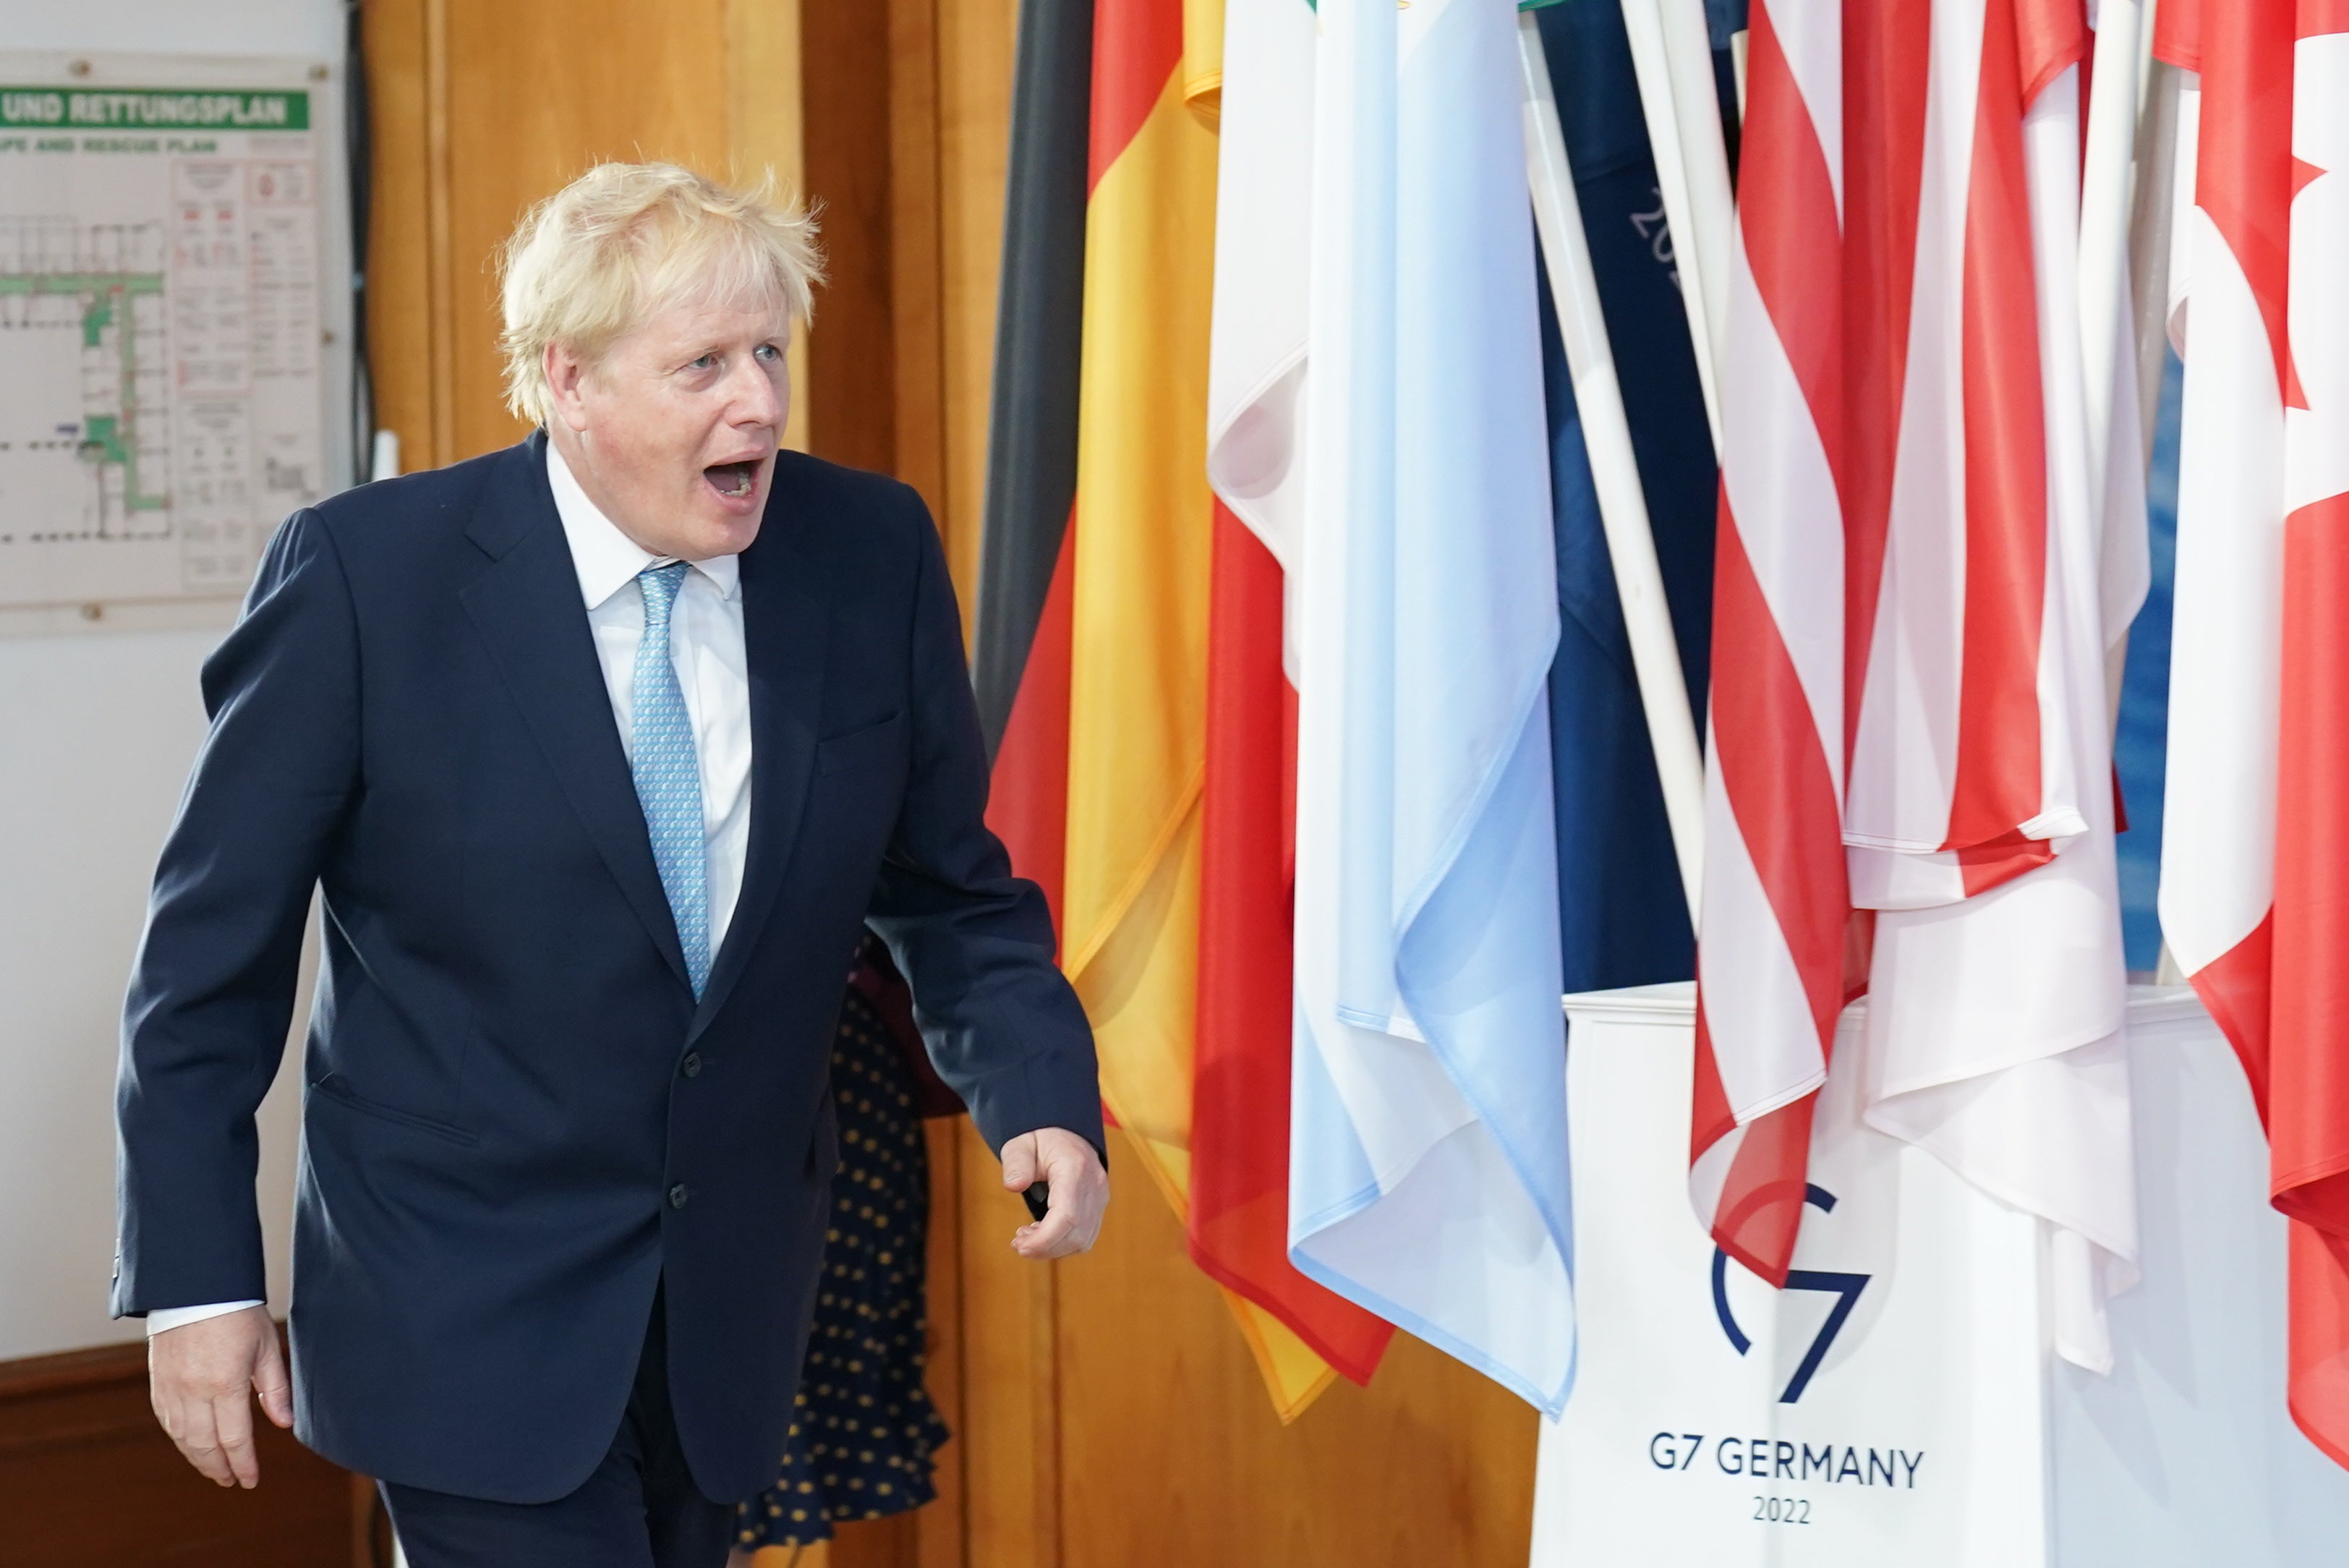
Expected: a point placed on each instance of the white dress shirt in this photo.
(706, 644)
(704, 637)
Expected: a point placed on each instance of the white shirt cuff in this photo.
(163, 1319)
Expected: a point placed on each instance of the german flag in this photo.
(1019, 662)
(1106, 725)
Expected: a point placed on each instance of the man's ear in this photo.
(565, 372)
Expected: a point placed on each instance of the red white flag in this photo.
(1908, 595)
(1770, 969)
(1963, 772)
(1238, 1218)
(2256, 842)
(2308, 1065)
(1979, 810)
(2218, 842)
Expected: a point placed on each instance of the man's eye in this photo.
(768, 352)
(704, 363)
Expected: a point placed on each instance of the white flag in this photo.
(1428, 1166)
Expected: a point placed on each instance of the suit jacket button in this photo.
(678, 1195)
(691, 1066)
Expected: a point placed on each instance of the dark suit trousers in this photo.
(639, 1508)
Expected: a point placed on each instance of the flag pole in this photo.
(2105, 224)
(1672, 56)
(1704, 157)
(1615, 474)
(2149, 258)
(2149, 237)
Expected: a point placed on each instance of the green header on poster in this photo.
(151, 108)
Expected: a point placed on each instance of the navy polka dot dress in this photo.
(864, 1429)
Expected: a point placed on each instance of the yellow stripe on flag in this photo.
(1138, 678)
(1203, 59)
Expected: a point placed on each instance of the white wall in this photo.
(97, 731)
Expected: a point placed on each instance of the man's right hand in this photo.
(199, 1375)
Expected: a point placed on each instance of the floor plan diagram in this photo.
(160, 339)
(83, 307)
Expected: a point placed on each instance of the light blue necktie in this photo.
(669, 774)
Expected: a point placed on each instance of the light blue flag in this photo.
(1428, 1164)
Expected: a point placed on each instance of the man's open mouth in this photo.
(732, 478)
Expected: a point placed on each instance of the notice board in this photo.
(174, 311)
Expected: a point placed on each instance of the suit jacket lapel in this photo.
(786, 626)
(528, 610)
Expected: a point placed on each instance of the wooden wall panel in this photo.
(852, 349)
(1172, 1453)
(917, 280)
(1010, 1395)
(975, 46)
(401, 271)
(764, 122)
(482, 109)
(540, 90)
(88, 1477)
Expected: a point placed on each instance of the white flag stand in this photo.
(1898, 1402)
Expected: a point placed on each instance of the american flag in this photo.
(1909, 776)
(1770, 969)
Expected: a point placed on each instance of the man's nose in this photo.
(758, 395)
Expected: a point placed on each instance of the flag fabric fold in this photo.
(1428, 1178)
(1020, 663)
(1771, 936)
(2218, 877)
(1997, 989)
(1139, 580)
(1238, 1221)
(2308, 1075)
(2257, 820)
(1909, 778)
(1964, 774)
(1139, 589)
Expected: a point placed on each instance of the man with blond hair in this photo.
(599, 752)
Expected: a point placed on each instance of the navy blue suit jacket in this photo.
(516, 1119)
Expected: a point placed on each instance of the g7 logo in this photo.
(1844, 1286)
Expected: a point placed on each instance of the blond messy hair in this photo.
(625, 240)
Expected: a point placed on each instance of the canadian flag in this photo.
(2255, 852)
